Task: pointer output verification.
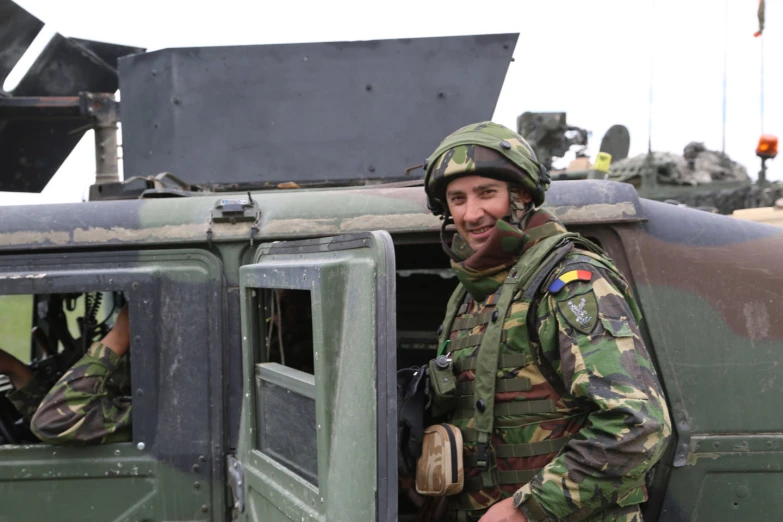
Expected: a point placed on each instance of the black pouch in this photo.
(443, 385)
(412, 399)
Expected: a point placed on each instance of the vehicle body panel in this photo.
(288, 214)
(708, 286)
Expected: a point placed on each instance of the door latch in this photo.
(233, 211)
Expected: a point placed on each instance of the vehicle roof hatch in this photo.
(304, 113)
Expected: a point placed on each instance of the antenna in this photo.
(652, 74)
(725, 70)
(758, 34)
(761, 96)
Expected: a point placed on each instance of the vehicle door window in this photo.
(16, 318)
(42, 337)
(285, 384)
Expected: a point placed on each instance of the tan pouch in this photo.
(439, 471)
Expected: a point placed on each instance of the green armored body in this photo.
(558, 403)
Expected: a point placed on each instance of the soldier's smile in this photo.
(481, 234)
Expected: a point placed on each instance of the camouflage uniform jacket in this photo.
(90, 403)
(586, 456)
(27, 398)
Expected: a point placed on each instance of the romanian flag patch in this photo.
(573, 275)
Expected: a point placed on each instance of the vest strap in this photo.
(467, 407)
(490, 300)
(545, 230)
(516, 360)
(470, 341)
(451, 312)
(502, 385)
(470, 434)
(471, 321)
(503, 478)
(531, 449)
(488, 357)
(510, 451)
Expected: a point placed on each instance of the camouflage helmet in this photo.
(485, 149)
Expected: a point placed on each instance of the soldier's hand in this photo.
(15, 369)
(118, 339)
(7, 361)
(504, 511)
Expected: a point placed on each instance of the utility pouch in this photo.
(412, 399)
(443, 385)
(439, 471)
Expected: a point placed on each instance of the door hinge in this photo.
(236, 481)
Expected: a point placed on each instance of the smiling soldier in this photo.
(556, 398)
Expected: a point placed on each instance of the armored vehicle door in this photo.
(170, 467)
(318, 425)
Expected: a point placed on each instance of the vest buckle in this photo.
(482, 456)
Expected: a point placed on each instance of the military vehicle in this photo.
(699, 177)
(280, 266)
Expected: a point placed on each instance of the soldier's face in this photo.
(476, 203)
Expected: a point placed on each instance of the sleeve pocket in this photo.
(617, 326)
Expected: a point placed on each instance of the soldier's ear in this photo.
(525, 196)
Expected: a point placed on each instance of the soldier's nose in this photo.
(473, 213)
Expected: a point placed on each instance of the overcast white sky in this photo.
(590, 58)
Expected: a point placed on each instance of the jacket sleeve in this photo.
(589, 334)
(83, 407)
(27, 398)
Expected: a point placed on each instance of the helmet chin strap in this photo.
(447, 220)
(524, 212)
(520, 223)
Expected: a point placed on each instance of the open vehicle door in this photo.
(318, 430)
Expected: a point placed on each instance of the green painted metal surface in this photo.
(344, 276)
(708, 285)
(115, 482)
(172, 470)
(285, 215)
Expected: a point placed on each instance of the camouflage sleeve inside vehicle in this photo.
(87, 405)
(589, 334)
(27, 398)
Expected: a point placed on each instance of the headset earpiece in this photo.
(543, 174)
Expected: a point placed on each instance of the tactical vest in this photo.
(476, 410)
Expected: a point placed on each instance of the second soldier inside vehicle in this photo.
(90, 403)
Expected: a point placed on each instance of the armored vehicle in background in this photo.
(279, 266)
(699, 178)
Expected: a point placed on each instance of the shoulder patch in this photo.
(580, 311)
(573, 275)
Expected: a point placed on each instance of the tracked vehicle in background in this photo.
(699, 177)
